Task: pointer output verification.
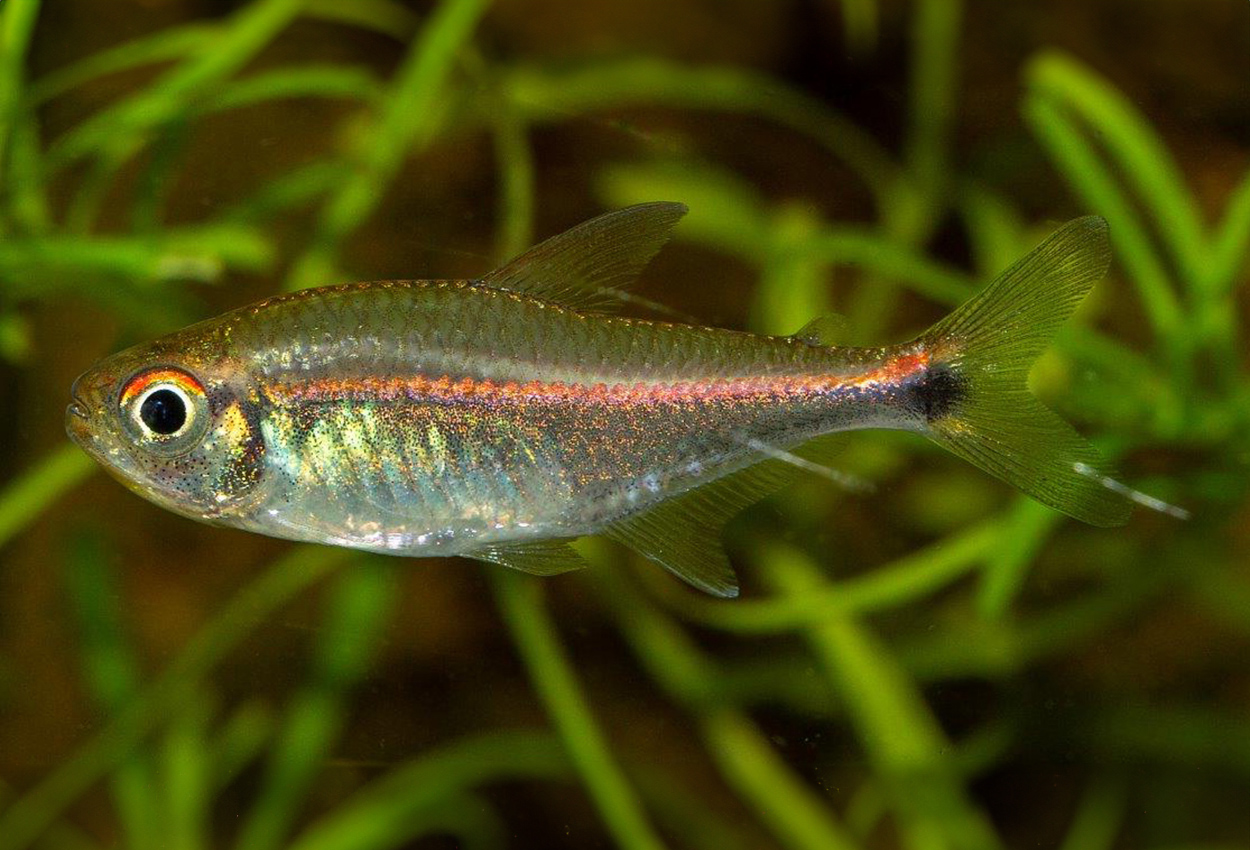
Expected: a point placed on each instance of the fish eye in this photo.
(164, 411)
(165, 408)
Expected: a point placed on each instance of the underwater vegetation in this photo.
(921, 658)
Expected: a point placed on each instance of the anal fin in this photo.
(683, 533)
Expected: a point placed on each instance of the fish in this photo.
(500, 418)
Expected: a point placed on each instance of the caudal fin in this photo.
(983, 352)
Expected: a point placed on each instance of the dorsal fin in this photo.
(538, 558)
(584, 268)
(829, 329)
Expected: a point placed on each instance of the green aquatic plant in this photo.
(861, 650)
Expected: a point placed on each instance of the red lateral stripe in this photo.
(445, 387)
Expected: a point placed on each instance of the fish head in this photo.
(175, 421)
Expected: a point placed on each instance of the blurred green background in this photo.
(939, 663)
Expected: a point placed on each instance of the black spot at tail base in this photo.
(939, 390)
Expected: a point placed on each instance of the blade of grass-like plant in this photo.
(121, 127)
(21, 168)
(381, 810)
(1216, 329)
(60, 836)
(112, 675)
(535, 637)
(868, 807)
(688, 673)
(1145, 397)
(980, 751)
(1125, 368)
(15, 342)
(995, 229)
(726, 212)
(36, 265)
(773, 679)
(514, 159)
(322, 81)
(358, 612)
(1148, 167)
(1138, 587)
(931, 90)
(993, 649)
(919, 196)
(860, 21)
(905, 580)
(1230, 246)
(544, 95)
(27, 192)
(1025, 529)
(670, 657)
(17, 22)
(288, 191)
(798, 816)
(186, 780)
(1224, 596)
(727, 215)
(467, 818)
(1179, 735)
(240, 741)
(884, 257)
(407, 122)
(113, 135)
(1143, 160)
(94, 184)
(26, 820)
(158, 177)
(1079, 164)
(685, 815)
(29, 495)
(380, 16)
(895, 727)
(794, 286)
(163, 46)
(1098, 817)
(514, 163)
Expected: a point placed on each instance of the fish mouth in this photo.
(77, 424)
(78, 417)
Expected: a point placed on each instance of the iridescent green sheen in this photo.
(445, 416)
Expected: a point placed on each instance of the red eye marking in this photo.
(177, 377)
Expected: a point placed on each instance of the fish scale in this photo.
(497, 418)
(491, 457)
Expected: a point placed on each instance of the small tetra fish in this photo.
(498, 418)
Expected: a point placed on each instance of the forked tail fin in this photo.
(983, 352)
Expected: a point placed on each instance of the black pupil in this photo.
(164, 412)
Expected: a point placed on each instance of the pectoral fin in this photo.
(539, 558)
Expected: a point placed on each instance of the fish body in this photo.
(490, 417)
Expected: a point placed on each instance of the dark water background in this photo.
(938, 664)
